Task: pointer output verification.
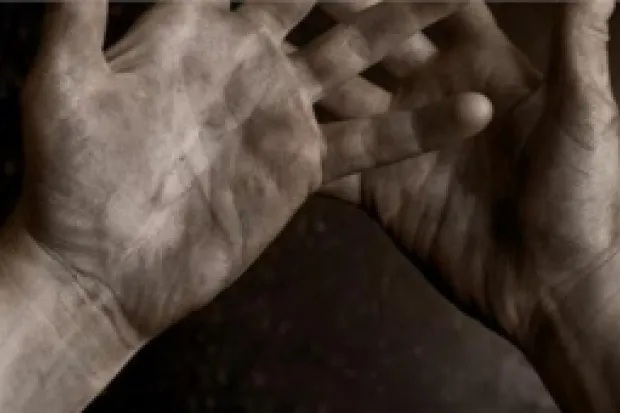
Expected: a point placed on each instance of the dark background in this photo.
(331, 318)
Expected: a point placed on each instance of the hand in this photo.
(160, 171)
(519, 225)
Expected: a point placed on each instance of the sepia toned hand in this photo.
(159, 171)
(519, 225)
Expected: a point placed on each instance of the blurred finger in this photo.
(406, 57)
(356, 145)
(344, 11)
(347, 189)
(446, 75)
(348, 49)
(502, 74)
(277, 17)
(414, 53)
(357, 98)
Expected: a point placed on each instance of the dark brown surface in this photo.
(331, 318)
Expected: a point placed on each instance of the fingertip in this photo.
(474, 110)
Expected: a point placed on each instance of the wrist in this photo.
(574, 340)
(62, 338)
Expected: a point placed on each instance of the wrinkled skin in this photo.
(161, 170)
(519, 225)
(452, 210)
(162, 173)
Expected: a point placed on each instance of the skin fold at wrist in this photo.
(573, 343)
(65, 338)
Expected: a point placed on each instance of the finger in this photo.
(356, 145)
(472, 23)
(357, 98)
(347, 189)
(344, 11)
(277, 18)
(164, 28)
(348, 49)
(504, 77)
(73, 34)
(406, 57)
(431, 84)
(579, 73)
(411, 55)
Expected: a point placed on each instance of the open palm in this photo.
(158, 172)
(518, 226)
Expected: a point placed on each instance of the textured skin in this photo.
(156, 177)
(519, 226)
(430, 355)
(164, 351)
(163, 169)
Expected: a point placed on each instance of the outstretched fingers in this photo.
(275, 17)
(356, 145)
(350, 48)
(405, 57)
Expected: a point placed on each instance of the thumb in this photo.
(355, 145)
(579, 74)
